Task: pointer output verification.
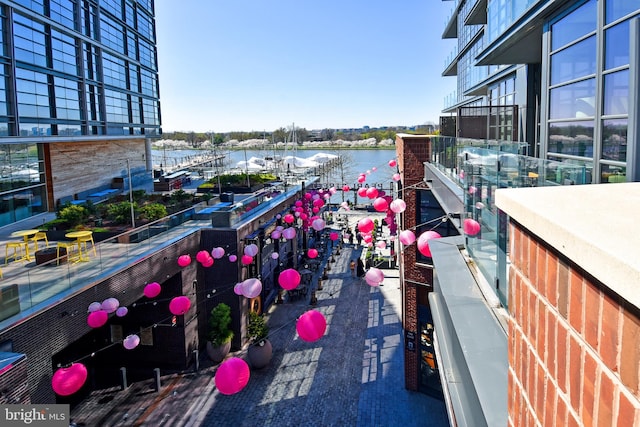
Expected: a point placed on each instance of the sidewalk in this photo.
(352, 376)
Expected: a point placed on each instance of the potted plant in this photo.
(260, 350)
(220, 333)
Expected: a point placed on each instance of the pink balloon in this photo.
(398, 206)
(392, 163)
(318, 224)
(94, 306)
(237, 289)
(471, 227)
(318, 203)
(208, 262)
(362, 192)
(217, 253)
(131, 342)
(311, 326)
(275, 255)
(372, 192)
(366, 225)
(67, 381)
(288, 218)
(202, 255)
(289, 233)
(251, 250)
(368, 238)
(298, 203)
(407, 237)
(122, 311)
(179, 305)
(346, 188)
(232, 376)
(96, 319)
(423, 242)
(374, 276)
(380, 204)
(289, 279)
(184, 260)
(251, 288)
(381, 244)
(233, 258)
(152, 290)
(362, 178)
(396, 177)
(275, 234)
(110, 305)
(312, 253)
(473, 190)
(334, 235)
(246, 259)
(307, 196)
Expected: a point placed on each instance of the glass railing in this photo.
(61, 269)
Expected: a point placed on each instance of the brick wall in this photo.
(14, 387)
(574, 346)
(412, 151)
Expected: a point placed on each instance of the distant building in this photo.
(79, 96)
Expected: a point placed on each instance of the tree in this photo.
(279, 135)
(327, 134)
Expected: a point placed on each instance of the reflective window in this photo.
(572, 138)
(150, 112)
(135, 109)
(112, 34)
(616, 48)
(132, 46)
(67, 99)
(35, 129)
(576, 24)
(148, 83)
(145, 26)
(29, 41)
(3, 23)
(573, 100)
(112, 6)
(3, 93)
(65, 129)
(90, 60)
(129, 15)
(61, 11)
(614, 140)
(134, 72)
(615, 9)
(114, 71)
(116, 107)
(35, 5)
(147, 54)
(33, 94)
(63, 52)
(578, 60)
(89, 19)
(613, 173)
(616, 93)
(93, 104)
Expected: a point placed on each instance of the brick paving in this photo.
(352, 376)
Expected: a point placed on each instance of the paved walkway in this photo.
(352, 376)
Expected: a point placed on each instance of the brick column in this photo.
(412, 151)
(574, 345)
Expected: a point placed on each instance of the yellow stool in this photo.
(85, 240)
(18, 254)
(69, 248)
(40, 235)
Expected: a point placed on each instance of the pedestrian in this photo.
(360, 268)
(352, 266)
(359, 238)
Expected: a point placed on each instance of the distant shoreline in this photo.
(366, 144)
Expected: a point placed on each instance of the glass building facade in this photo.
(71, 70)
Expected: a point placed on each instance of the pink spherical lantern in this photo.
(251, 287)
(246, 259)
(479, 205)
(368, 238)
(362, 178)
(184, 260)
(122, 311)
(366, 225)
(110, 305)
(152, 290)
(308, 196)
(380, 204)
(318, 203)
(381, 244)
(232, 376)
(289, 233)
(362, 192)
(131, 342)
(312, 253)
(237, 289)
(217, 253)
(289, 279)
(288, 218)
(202, 255)
(233, 258)
(275, 234)
(311, 326)
(396, 177)
(251, 250)
(298, 203)
(407, 237)
(207, 262)
(318, 224)
(67, 381)
(473, 190)
(334, 235)
(346, 188)
(398, 206)
(374, 276)
(94, 306)
(471, 226)
(97, 318)
(179, 305)
(392, 163)
(372, 192)
(275, 255)
(423, 242)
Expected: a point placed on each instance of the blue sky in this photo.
(260, 65)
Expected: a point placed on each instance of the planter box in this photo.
(240, 189)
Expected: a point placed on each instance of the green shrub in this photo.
(257, 329)
(153, 211)
(73, 215)
(220, 331)
(120, 213)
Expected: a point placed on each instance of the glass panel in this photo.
(616, 51)
(574, 25)
(576, 61)
(610, 173)
(573, 138)
(616, 93)
(614, 140)
(573, 100)
(618, 8)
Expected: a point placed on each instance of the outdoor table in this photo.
(26, 234)
(78, 235)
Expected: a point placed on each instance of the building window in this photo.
(61, 11)
(431, 216)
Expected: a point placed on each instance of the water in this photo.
(373, 163)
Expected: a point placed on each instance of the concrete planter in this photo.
(218, 353)
(259, 355)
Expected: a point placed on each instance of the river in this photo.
(373, 163)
